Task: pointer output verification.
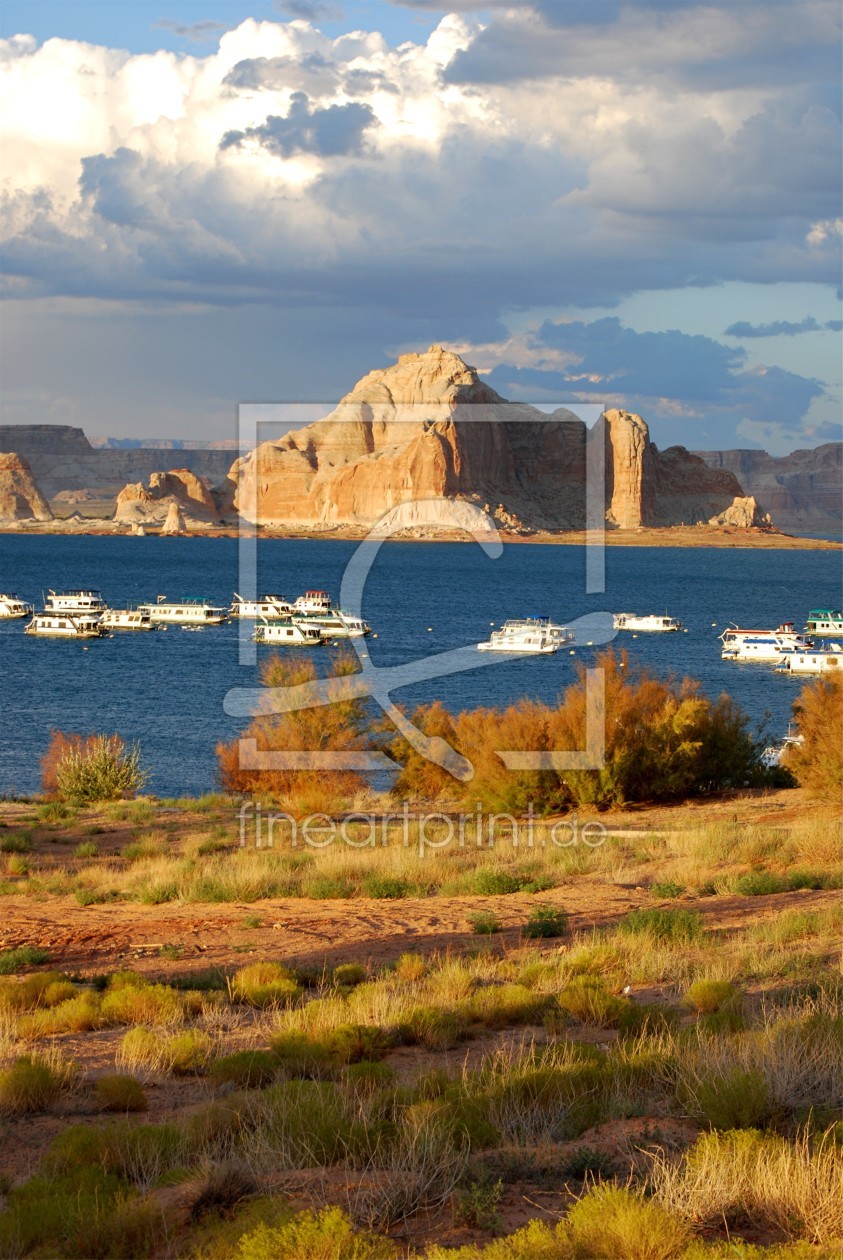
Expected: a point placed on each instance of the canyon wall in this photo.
(20, 497)
(803, 491)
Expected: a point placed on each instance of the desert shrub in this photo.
(78, 1013)
(87, 849)
(20, 844)
(544, 921)
(535, 1241)
(248, 1069)
(32, 1083)
(337, 726)
(387, 887)
(265, 984)
(707, 996)
(84, 1215)
(504, 1005)
(433, 1028)
(587, 1000)
(484, 923)
(738, 1099)
(324, 888)
(616, 1223)
(97, 768)
(44, 988)
(119, 1093)
(666, 890)
(326, 1235)
(817, 763)
(666, 739)
(141, 1003)
(410, 967)
(187, 1053)
(476, 1202)
(681, 927)
(11, 960)
(368, 1077)
(795, 1187)
(222, 1188)
(349, 974)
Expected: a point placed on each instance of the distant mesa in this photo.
(20, 497)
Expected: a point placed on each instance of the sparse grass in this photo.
(11, 960)
(33, 1082)
(544, 921)
(675, 926)
(19, 843)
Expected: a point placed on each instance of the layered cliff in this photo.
(428, 428)
(20, 497)
(803, 491)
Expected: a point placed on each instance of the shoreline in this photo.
(666, 536)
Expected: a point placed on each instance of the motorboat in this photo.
(522, 639)
(11, 607)
(264, 607)
(287, 634)
(185, 611)
(75, 601)
(823, 660)
(126, 619)
(821, 621)
(741, 644)
(66, 625)
(650, 623)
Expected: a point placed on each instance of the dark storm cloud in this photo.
(337, 130)
(781, 328)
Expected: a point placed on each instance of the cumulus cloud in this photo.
(336, 130)
(781, 328)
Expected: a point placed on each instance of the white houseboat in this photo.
(11, 607)
(66, 625)
(763, 645)
(287, 634)
(126, 619)
(520, 638)
(650, 623)
(824, 621)
(264, 607)
(827, 660)
(191, 612)
(335, 624)
(521, 625)
(313, 602)
(75, 601)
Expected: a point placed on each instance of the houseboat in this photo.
(520, 638)
(335, 624)
(827, 660)
(313, 602)
(287, 634)
(191, 612)
(11, 607)
(651, 623)
(763, 645)
(66, 625)
(264, 607)
(521, 625)
(126, 619)
(824, 621)
(75, 601)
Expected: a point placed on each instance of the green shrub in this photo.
(387, 887)
(120, 1093)
(477, 1202)
(79, 1013)
(349, 974)
(739, 1099)
(616, 1223)
(544, 921)
(323, 888)
(21, 843)
(327, 1235)
(143, 1003)
(667, 890)
(102, 769)
(87, 849)
(187, 1053)
(265, 984)
(410, 967)
(248, 1069)
(503, 1005)
(484, 923)
(11, 960)
(434, 1028)
(707, 996)
(672, 925)
(43, 988)
(32, 1083)
(587, 1000)
(491, 881)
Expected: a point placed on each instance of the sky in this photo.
(629, 203)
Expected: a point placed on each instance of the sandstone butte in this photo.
(427, 428)
(20, 498)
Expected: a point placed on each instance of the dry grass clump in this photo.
(80, 1013)
(180, 1054)
(132, 999)
(120, 1093)
(325, 1235)
(265, 984)
(795, 1187)
(33, 1082)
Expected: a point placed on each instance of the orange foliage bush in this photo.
(817, 763)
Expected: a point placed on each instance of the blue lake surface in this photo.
(166, 690)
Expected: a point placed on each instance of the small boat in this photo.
(772, 756)
(335, 624)
(186, 611)
(652, 622)
(75, 601)
(126, 619)
(823, 660)
(66, 625)
(287, 634)
(264, 607)
(521, 625)
(521, 639)
(317, 602)
(821, 621)
(11, 607)
(763, 645)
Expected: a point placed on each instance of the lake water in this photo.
(166, 690)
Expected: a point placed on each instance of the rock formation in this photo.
(181, 489)
(803, 491)
(174, 524)
(429, 428)
(20, 498)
